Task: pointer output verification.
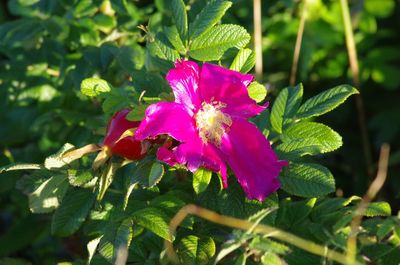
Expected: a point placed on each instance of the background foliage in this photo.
(47, 48)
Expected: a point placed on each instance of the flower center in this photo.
(212, 123)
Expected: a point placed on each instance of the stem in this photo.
(258, 38)
(376, 185)
(352, 53)
(297, 48)
(246, 225)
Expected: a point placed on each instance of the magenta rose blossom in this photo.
(209, 120)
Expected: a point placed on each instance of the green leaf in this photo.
(123, 239)
(148, 173)
(48, 195)
(72, 212)
(42, 93)
(193, 250)
(285, 106)
(162, 48)
(244, 60)
(201, 179)
(267, 245)
(57, 160)
(137, 113)
(257, 91)
(382, 8)
(93, 87)
(91, 248)
(20, 167)
(210, 15)
(211, 45)
(106, 179)
(310, 138)
(378, 209)
(154, 220)
(174, 38)
(179, 15)
(307, 180)
(325, 101)
(292, 213)
(270, 258)
(79, 178)
(130, 58)
(117, 237)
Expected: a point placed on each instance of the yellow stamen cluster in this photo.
(212, 123)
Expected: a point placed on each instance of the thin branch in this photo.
(373, 190)
(258, 38)
(297, 47)
(246, 225)
(352, 53)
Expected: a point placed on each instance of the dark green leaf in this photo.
(285, 106)
(325, 101)
(193, 250)
(211, 45)
(208, 17)
(179, 15)
(48, 195)
(307, 180)
(154, 220)
(378, 209)
(148, 174)
(72, 212)
(309, 138)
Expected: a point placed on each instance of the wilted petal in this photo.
(184, 81)
(229, 87)
(168, 118)
(251, 159)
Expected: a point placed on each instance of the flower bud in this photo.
(119, 139)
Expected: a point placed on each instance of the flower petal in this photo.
(251, 159)
(229, 87)
(195, 154)
(184, 80)
(168, 118)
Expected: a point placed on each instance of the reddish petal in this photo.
(129, 148)
(195, 154)
(184, 80)
(167, 156)
(229, 87)
(251, 159)
(126, 147)
(168, 118)
(117, 126)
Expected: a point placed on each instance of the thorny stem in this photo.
(258, 38)
(352, 52)
(376, 185)
(297, 48)
(246, 225)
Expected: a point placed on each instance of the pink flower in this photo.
(209, 120)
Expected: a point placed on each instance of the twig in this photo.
(297, 47)
(373, 190)
(352, 52)
(258, 38)
(246, 225)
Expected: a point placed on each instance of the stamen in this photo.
(212, 123)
